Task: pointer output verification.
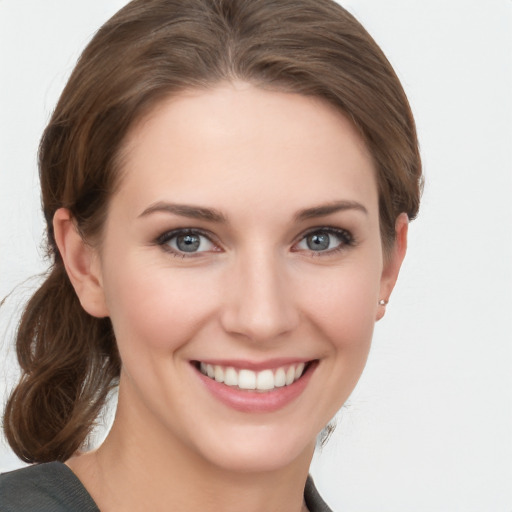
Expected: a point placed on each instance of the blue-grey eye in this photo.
(188, 242)
(324, 240)
(318, 241)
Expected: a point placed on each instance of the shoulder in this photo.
(313, 500)
(50, 487)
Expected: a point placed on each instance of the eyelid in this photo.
(163, 240)
(345, 235)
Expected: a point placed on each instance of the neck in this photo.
(136, 471)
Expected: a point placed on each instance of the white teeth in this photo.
(231, 377)
(280, 378)
(290, 375)
(299, 370)
(219, 374)
(265, 380)
(248, 379)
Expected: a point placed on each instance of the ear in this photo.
(393, 262)
(81, 262)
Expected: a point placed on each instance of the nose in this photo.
(258, 299)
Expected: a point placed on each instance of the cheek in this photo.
(342, 315)
(344, 305)
(156, 308)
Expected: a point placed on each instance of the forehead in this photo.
(237, 145)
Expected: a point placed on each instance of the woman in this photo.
(227, 186)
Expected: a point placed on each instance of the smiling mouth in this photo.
(249, 380)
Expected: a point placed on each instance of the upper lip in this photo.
(268, 364)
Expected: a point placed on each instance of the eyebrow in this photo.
(213, 215)
(328, 209)
(185, 210)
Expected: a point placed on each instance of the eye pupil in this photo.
(188, 243)
(318, 241)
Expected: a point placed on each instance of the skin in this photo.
(255, 293)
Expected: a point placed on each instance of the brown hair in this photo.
(149, 50)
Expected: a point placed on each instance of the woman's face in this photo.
(243, 243)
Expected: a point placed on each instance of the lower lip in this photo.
(257, 401)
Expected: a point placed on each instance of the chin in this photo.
(262, 449)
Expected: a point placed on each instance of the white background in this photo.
(429, 427)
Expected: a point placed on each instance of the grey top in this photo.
(50, 487)
(53, 487)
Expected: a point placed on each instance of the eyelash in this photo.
(344, 236)
(164, 239)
